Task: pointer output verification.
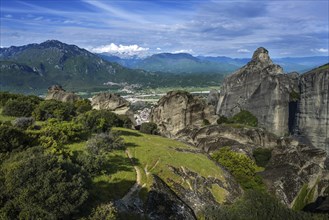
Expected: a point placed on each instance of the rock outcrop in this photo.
(58, 93)
(241, 139)
(110, 101)
(163, 203)
(178, 109)
(262, 88)
(313, 107)
(296, 173)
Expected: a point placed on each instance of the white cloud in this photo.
(184, 51)
(158, 48)
(321, 50)
(243, 51)
(120, 49)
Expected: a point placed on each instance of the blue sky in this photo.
(215, 28)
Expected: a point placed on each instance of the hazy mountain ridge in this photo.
(187, 63)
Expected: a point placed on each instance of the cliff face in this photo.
(58, 93)
(313, 107)
(261, 88)
(109, 101)
(178, 110)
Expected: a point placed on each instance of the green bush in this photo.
(246, 118)
(23, 122)
(103, 142)
(222, 120)
(42, 186)
(22, 106)
(82, 106)
(262, 156)
(6, 96)
(12, 138)
(99, 120)
(54, 109)
(104, 212)
(149, 128)
(241, 167)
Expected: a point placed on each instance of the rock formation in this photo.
(313, 107)
(110, 101)
(262, 88)
(58, 93)
(296, 173)
(178, 110)
(241, 139)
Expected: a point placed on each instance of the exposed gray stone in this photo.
(58, 93)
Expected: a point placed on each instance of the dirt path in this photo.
(136, 187)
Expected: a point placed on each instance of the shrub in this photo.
(262, 156)
(57, 133)
(93, 164)
(12, 138)
(82, 106)
(54, 109)
(222, 120)
(42, 186)
(103, 142)
(18, 108)
(205, 122)
(104, 212)
(241, 167)
(23, 122)
(6, 96)
(126, 122)
(246, 118)
(149, 128)
(99, 120)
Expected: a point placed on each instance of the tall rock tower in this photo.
(262, 88)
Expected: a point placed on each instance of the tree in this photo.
(54, 109)
(104, 142)
(99, 120)
(246, 118)
(12, 138)
(42, 186)
(23, 122)
(149, 128)
(82, 106)
(104, 212)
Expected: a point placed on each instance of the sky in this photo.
(232, 28)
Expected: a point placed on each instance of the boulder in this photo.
(58, 93)
(178, 110)
(110, 101)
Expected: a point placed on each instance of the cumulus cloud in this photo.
(158, 48)
(184, 51)
(320, 50)
(243, 51)
(120, 49)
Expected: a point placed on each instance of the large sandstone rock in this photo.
(262, 88)
(110, 101)
(313, 107)
(58, 93)
(178, 110)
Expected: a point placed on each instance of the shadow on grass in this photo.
(118, 163)
(103, 192)
(128, 133)
(130, 144)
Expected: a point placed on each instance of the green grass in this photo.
(154, 154)
(305, 196)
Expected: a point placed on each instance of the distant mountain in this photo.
(33, 68)
(187, 64)
(37, 66)
(180, 63)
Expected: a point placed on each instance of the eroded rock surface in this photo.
(58, 93)
(178, 110)
(110, 101)
(296, 173)
(313, 108)
(262, 88)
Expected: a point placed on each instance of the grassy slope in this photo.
(153, 154)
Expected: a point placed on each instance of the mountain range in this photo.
(184, 63)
